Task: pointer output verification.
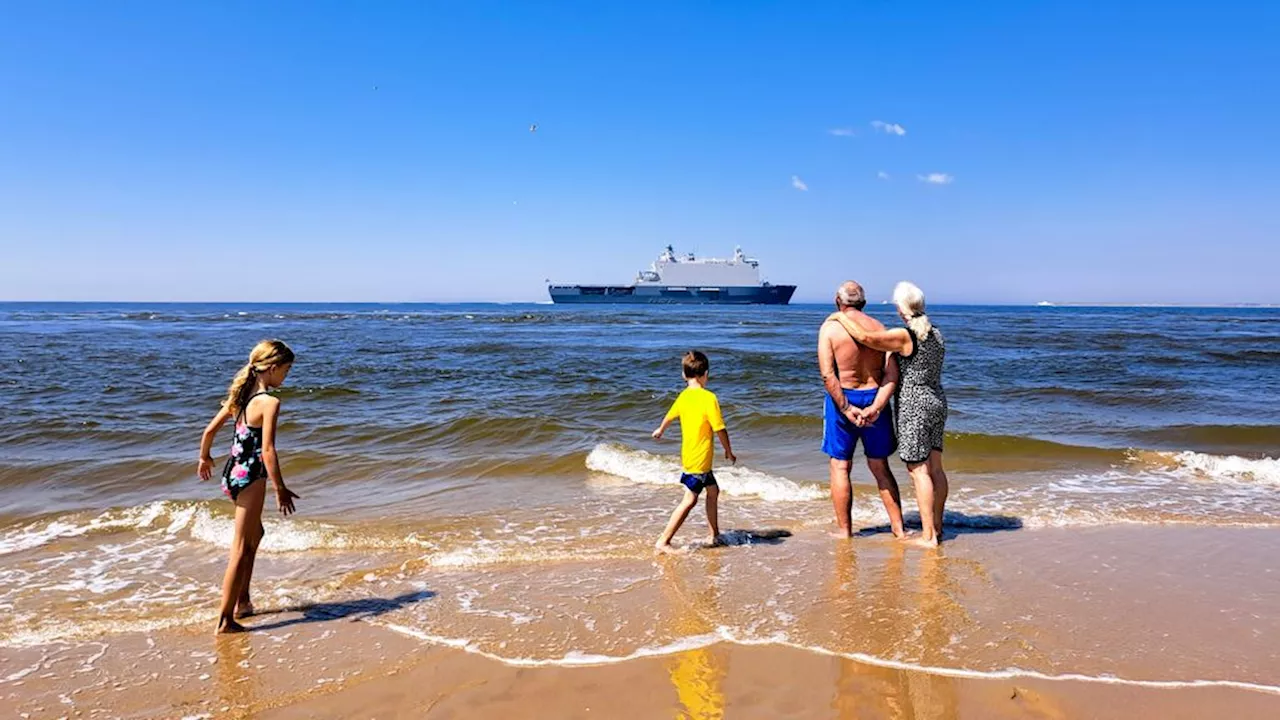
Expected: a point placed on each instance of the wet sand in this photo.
(1108, 622)
(357, 670)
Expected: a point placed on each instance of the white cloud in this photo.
(882, 175)
(889, 128)
(937, 178)
(843, 132)
(798, 184)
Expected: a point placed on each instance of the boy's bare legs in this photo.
(889, 493)
(842, 498)
(713, 512)
(248, 515)
(244, 606)
(940, 489)
(925, 500)
(677, 519)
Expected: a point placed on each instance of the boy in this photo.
(700, 418)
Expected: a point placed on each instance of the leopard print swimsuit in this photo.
(921, 405)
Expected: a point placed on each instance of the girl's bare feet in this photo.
(228, 625)
(244, 609)
(923, 542)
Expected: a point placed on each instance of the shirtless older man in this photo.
(859, 383)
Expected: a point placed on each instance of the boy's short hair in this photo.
(695, 364)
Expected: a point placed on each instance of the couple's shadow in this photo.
(360, 609)
(953, 524)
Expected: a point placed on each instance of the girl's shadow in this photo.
(348, 610)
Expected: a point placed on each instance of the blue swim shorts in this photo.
(840, 437)
(697, 481)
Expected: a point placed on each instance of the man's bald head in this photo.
(850, 294)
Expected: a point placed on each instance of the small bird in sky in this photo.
(533, 127)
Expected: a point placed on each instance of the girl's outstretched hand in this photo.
(285, 498)
(205, 468)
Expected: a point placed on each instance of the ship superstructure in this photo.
(685, 280)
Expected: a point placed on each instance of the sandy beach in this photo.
(1176, 621)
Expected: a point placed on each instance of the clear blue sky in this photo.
(381, 151)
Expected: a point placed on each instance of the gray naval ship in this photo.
(687, 280)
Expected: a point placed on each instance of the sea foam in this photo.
(645, 468)
(199, 521)
(1228, 467)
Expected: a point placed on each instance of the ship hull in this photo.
(669, 295)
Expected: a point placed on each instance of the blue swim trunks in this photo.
(840, 437)
(697, 481)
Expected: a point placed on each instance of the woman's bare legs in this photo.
(244, 545)
(925, 501)
(940, 489)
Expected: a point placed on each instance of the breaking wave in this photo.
(646, 468)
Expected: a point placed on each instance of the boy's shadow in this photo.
(752, 537)
(347, 610)
(953, 524)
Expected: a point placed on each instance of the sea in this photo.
(482, 476)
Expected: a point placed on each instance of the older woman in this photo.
(921, 406)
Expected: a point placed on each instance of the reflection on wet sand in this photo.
(883, 614)
(696, 674)
(940, 614)
(235, 678)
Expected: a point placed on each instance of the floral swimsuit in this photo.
(245, 464)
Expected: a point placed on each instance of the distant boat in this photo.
(687, 280)
(1044, 303)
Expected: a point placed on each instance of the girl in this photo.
(253, 457)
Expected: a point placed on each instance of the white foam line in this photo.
(1018, 673)
(14, 677)
(483, 557)
(723, 635)
(87, 665)
(572, 659)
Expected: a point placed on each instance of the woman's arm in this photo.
(205, 467)
(270, 415)
(896, 340)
